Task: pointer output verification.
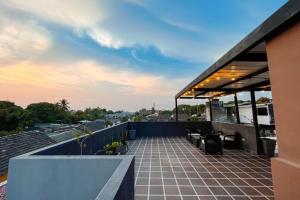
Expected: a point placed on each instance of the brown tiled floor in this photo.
(171, 168)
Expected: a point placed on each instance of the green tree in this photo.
(95, 113)
(166, 112)
(190, 109)
(124, 119)
(262, 100)
(137, 118)
(78, 116)
(13, 118)
(45, 112)
(64, 104)
(108, 123)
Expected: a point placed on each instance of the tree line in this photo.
(14, 118)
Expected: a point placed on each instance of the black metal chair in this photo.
(191, 132)
(233, 141)
(212, 144)
(196, 140)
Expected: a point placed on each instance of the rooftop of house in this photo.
(17, 144)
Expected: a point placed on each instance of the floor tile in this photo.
(177, 170)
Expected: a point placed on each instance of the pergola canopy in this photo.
(245, 66)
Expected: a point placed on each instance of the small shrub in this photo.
(111, 148)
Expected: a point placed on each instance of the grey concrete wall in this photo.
(246, 131)
(121, 185)
(70, 177)
(149, 129)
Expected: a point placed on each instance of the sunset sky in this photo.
(117, 54)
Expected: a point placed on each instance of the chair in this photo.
(190, 133)
(233, 141)
(212, 144)
(196, 140)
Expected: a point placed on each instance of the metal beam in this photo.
(193, 97)
(246, 77)
(255, 123)
(221, 87)
(237, 109)
(255, 86)
(252, 57)
(228, 91)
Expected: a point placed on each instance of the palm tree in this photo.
(64, 104)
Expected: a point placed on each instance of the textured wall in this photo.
(283, 52)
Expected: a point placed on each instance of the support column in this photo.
(238, 121)
(210, 110)
(284, 69)
(255, 122)
(176, 110)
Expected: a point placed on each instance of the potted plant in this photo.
(121, 149)
(115, 148)
(124, 139)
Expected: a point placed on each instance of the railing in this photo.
(246, 131)
(110, 177)
(93, 144)
(158, 129)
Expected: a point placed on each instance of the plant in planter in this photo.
(124, 139)
(111, 149)
(82, 137)
(115, 148)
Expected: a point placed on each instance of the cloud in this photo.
(106, 39)
(81, 74)
(123, 24)
(21, 40)
(86, 83)
(183, 25)
(74, 13)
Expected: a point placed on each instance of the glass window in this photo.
(262, 111)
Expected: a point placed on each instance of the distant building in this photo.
(118, 115)
(92, 126)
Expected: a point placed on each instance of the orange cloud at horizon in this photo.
(85, 83)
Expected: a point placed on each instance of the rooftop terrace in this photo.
(170, 168)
